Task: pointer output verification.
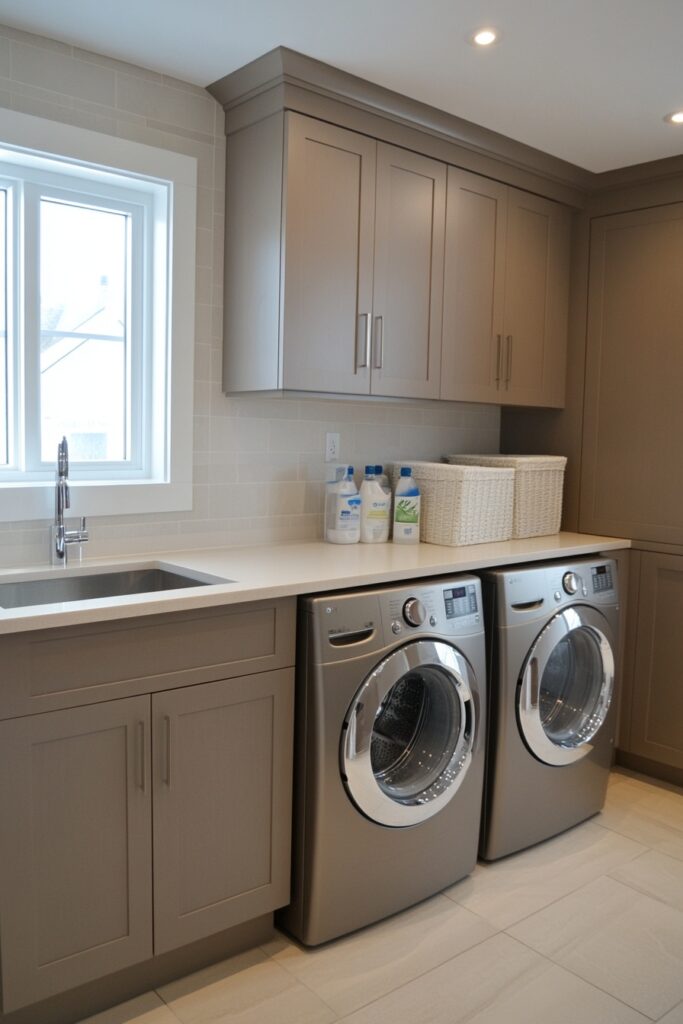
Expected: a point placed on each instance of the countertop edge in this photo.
(268, 572)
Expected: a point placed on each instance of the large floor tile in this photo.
(654, 874)
(361, 967)
(646, 812)
(147, 1009)
(511, 889)
(625, 943)
(498, 982)
(247, 989)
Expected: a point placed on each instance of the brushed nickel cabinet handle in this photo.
(499, 352)
(140, 756)
(379, 343)
(363, 341)
(167, 750)
(508, 372)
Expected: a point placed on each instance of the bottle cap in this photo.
(349, 471)
(379, 470)
(406, 471)
(370, 470)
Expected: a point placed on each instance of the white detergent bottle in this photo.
(375, 508)
(406, 509)
(342, 519)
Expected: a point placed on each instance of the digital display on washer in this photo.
(460, 601)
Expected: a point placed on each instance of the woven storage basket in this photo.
(462, 504)
(539, 480)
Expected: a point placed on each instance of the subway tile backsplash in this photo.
(258, 461)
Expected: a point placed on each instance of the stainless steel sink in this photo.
(59, 589)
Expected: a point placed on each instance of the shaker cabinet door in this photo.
(474, 287)
(536, 300)
(328, 252)
(75, 847)
(222, 804)
(408, 278)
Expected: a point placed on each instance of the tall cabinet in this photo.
(632, 474)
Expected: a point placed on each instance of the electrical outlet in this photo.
(331, 447)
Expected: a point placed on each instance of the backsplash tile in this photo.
(258, 460)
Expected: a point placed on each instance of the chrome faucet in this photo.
(60, 536)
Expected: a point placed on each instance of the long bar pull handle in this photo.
(379, 343)
(140, 771)
(363, 341)
(508, 371)
(499, 352)
(167, 750)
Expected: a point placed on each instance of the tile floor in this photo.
(587, 927)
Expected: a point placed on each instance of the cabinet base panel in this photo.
(104, 993)
(636, 763)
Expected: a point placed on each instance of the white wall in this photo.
(258, 463)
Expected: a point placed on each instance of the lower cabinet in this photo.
(164, 815)
(655, 729)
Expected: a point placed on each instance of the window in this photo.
(96, 319)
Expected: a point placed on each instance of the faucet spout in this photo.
(61, 537)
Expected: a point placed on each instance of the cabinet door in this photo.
(328, 253)
(408, 282)
(536, 300)
(657, 700)
(75, 847)
(471, 351)
(222, 804)
(632, 481)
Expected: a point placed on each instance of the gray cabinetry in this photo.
(334, 262)
(506, 294)
(75, 847)
(655, 727)
(222, 804)
(631, 481)
(177, 797)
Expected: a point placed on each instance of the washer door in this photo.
(566, 686)
(408, 734)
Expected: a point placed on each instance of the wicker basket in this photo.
(462, 504)
(539, 480)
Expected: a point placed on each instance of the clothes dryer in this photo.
(552, 635)
(390, 746)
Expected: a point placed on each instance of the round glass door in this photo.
(566, 686)
(408, 734)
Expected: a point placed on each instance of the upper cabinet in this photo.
(506, 294)
(340, 289)
(349, 272)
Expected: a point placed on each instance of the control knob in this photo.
(414, 612)
(570, 582)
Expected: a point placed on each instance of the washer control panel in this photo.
(601, 576)
(460, 601)
(414, 611)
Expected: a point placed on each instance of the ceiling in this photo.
(585, 80)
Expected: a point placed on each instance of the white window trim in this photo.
(169, 488)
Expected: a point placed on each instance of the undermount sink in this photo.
(87, 587)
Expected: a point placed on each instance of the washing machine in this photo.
(390, 747)
(552, 635)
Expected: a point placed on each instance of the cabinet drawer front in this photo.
(222, 804)
(50, 669)
(75, 900)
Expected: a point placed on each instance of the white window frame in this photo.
(164, 484)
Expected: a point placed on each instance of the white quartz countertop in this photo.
(282, 570)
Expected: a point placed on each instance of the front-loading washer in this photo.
(552, 635)
(390, 746)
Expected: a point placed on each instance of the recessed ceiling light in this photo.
(484, 36)
(675, 118)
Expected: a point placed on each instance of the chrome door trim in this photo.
(356, 766)
(528, 698)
